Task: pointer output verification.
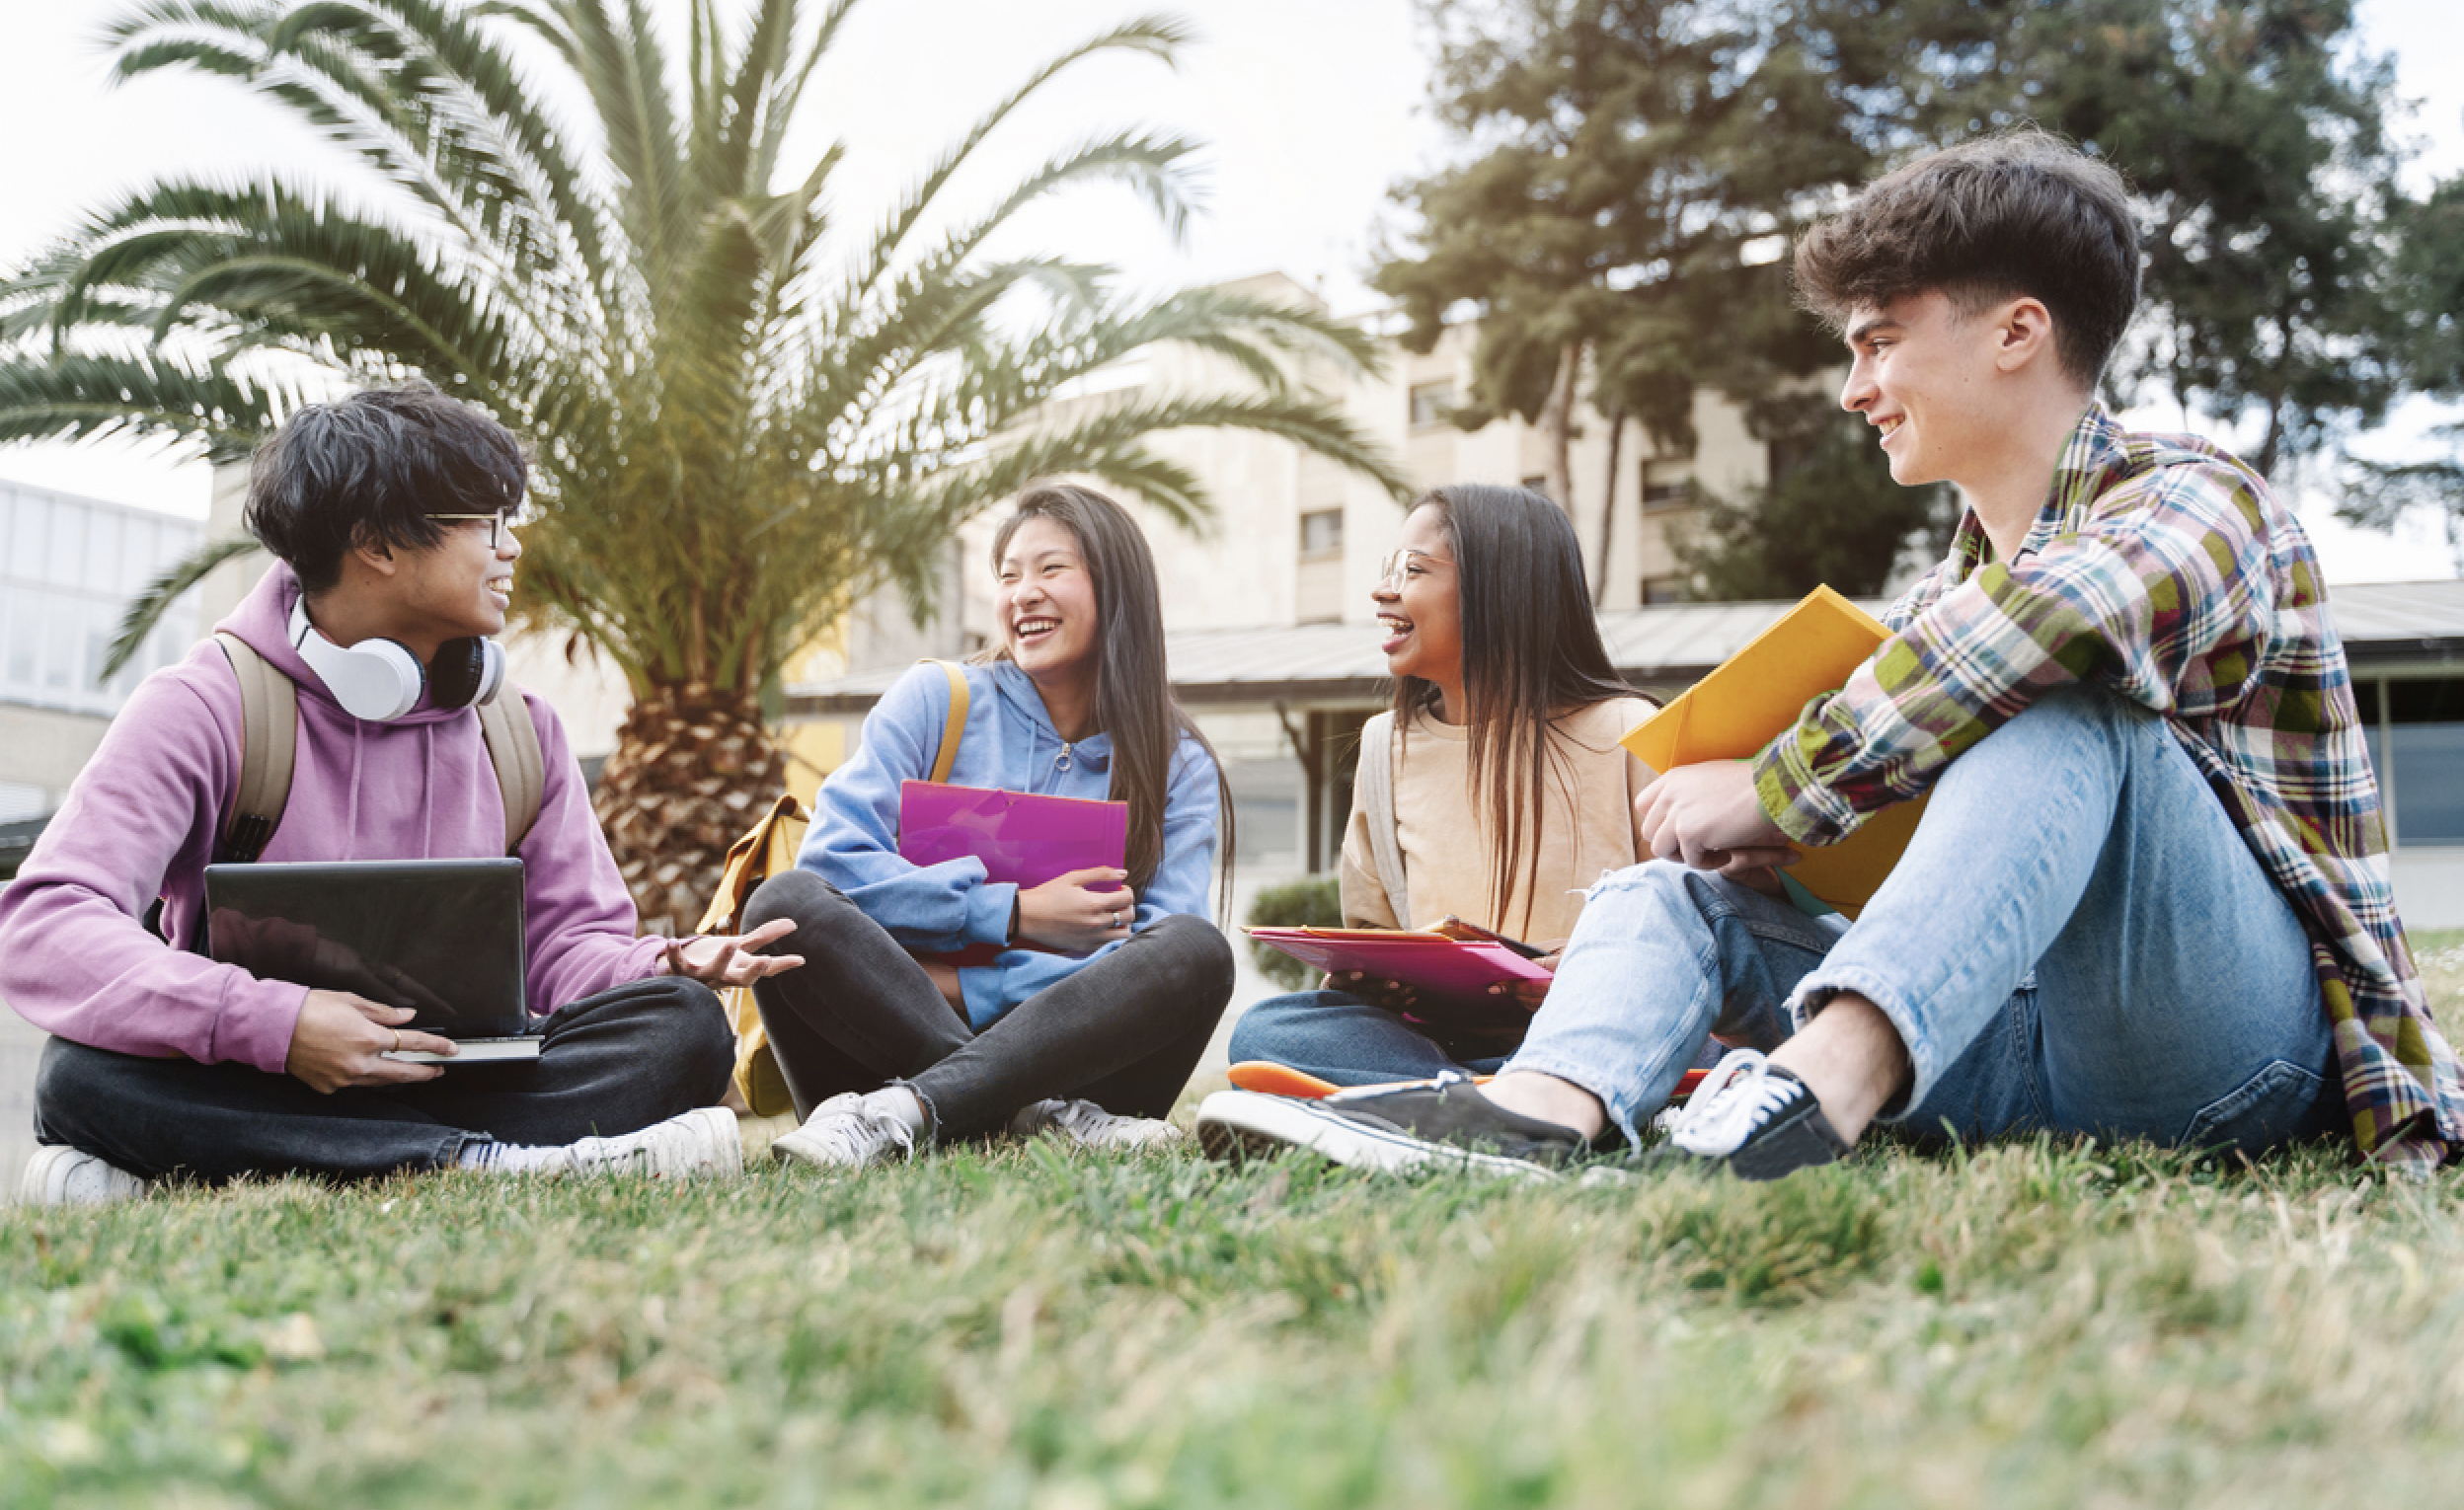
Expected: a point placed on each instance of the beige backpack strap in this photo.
(268, 739)
(512, 739)
(1377, 793)
(956, 725)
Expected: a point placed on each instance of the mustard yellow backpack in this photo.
(770, 848)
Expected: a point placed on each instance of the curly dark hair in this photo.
(2022, 213)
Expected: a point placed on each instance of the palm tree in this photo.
(746, 418)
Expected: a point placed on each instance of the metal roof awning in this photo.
(1667, 646)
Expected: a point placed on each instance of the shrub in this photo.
(1313, 901)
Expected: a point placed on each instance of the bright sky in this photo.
(1311, 110)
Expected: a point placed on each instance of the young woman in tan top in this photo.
(1508, 791)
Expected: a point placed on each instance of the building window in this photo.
(1658, 590)
(1668, 485)
(1431, 403)
(2417, 741)
(1322, 532)
(67, 569)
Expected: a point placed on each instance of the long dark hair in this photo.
(1531, 654)
(1133, 701)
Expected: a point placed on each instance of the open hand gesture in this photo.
(718, 960)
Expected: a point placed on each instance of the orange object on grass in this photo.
(1270, 1079)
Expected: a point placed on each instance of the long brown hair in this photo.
(1531, 654)
(1133, 701)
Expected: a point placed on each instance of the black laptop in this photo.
(441, 936)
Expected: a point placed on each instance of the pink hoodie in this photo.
(75, 959)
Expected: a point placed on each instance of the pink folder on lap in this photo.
(1023, 838)
(1459, 968)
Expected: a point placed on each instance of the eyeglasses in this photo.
(499, 522)
(1391, 569)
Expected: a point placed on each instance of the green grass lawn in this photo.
(2031, 1325)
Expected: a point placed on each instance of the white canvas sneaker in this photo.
(845, 1133)
(1086, 1126)
(703, 1143)
(60, 1175)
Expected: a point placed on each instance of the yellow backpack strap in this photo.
(956, 725)
(268, 739)
(513, 740)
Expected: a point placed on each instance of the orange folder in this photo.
(1757, 694)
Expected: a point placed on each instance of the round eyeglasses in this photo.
(1391, 569)
(514, 518)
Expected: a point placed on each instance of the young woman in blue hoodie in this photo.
(1097, 990)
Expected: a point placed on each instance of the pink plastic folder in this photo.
(1022, 838)
(1432, 961)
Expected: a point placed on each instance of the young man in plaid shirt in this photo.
(2149, 894)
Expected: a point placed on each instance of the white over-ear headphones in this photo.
(380, 680)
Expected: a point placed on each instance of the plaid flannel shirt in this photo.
(2163, 568)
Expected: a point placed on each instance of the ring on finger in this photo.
(397, 1032)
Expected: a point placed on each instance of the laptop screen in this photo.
(441, 936)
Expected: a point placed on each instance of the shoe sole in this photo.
(1237, 1125)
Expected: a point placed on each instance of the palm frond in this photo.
(137, 621)
(1156, 36)
(739, 425)
(80, 397)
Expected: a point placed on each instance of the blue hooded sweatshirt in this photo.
(1009, 742)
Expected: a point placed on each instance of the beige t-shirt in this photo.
(1586, 828)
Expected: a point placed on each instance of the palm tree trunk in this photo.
(693, 767)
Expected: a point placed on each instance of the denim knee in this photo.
(702, 1037)
(686, 1038)
(1264, 1032)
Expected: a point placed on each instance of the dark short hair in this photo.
(370, 470)
(2023, 213)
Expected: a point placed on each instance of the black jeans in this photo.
(612, 1063)
(1125, 1032)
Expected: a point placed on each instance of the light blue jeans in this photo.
(2078, 939)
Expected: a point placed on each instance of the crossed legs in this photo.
(2078, 938)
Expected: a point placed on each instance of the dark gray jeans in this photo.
(612, 1063)
(1125, 1032)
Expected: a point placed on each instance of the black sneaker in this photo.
(1444, 1123)
(1753, 1119)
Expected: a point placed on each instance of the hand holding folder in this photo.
(1022, 838)
(1463, 968)
(1757, 695)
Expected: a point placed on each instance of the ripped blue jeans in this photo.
(2078, 939)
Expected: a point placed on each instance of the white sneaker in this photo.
(845, 1133)
(1087, 1125)
(60, 1175)
(700, 1143)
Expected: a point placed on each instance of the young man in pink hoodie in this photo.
(391, 514)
